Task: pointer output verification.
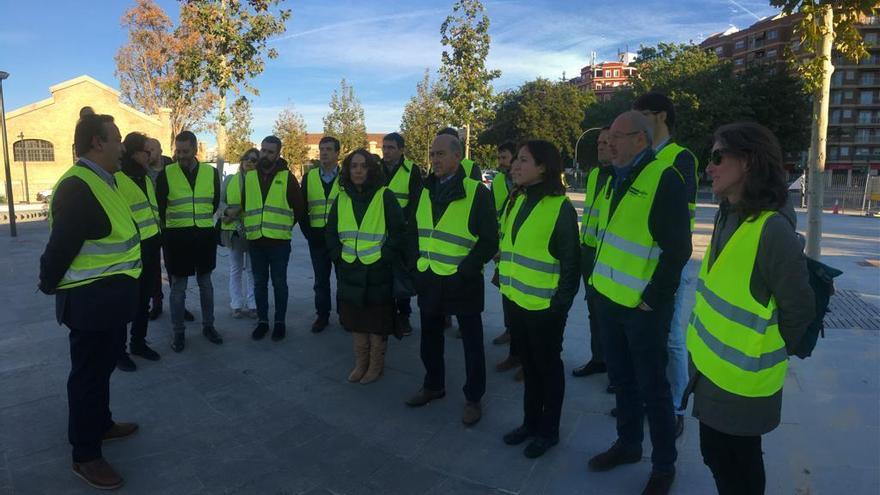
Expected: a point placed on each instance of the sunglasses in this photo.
(716, 156)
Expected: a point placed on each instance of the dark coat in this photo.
(101, 305)
(189, 250)
(461, 293)
(367, 285)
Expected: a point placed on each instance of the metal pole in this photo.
(12, 230)
(576, 164)
(27, 192)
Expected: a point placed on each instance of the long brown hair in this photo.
(765, 187)
(375, 175)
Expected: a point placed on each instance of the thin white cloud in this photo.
(336, 26)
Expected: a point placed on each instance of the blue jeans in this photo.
(634, 342)
(677, 369)
(266, 260)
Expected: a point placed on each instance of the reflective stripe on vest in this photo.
(399, 183)
(144, 208)
(318, 204)
(117, 254)
(233, 198)
(668, 154)
(593, 204)
(444, 245)
(528, 273)
(272, 219)
(734, 341)
(627, 255)
(363, 242)
(500, 192)
(188, 207)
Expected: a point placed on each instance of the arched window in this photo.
(33, 150)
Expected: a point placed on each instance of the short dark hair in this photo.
(451, 131)
(375, 174)
(187, 136)
(330, 139)
(86, 110)
(88, 127)
(545, 153)
(765, 187)
(656, 102)
(273, 140)
(134, 142)
(508, 146)
(397, 138)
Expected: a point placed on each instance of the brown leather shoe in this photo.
(424, 396)
(120, 430)
(508, 364)
(472, 413)
(520, 375)
(99, 474)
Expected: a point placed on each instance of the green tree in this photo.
(238, 129)
(232, 37)
(540, 109)
(345, 121)
(825, 25)
(290, 127)
(597, 115)
(145, 66)
(467, 89)
(424, 114)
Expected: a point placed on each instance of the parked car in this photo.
(44, 196)
(488, 175)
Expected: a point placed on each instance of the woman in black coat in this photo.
(364, 285)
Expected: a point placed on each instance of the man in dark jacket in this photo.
(635, 338)
(449, 279)
(393, 162)
(190, 250)
(271, 256)
(96, 309)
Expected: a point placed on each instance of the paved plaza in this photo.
(280, 418)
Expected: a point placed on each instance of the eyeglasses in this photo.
(616, 136)
(717, 155)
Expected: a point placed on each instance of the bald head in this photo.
(630, 134)
(445, 155)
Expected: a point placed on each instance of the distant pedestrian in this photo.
(753, 305)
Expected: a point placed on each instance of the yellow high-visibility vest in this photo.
(362, 242)
(274, 217)
(444, 245)
(187, 206)
(144, 207)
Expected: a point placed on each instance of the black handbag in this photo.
(403, 285)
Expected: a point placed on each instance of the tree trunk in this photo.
(816, 193)
(467, 141)
(221, 134)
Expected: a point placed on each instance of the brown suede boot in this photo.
(98, 473)
(361, 356)
(378, 344)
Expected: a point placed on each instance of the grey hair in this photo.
(641, 124)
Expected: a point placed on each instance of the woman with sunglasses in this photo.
(753, 304)
(365, 234)
(241, 297)
(539, 273)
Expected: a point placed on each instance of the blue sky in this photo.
(381, 48)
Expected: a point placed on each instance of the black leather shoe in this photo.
(124, 363)
(518, 435)
(144, 351)
(279, 331)
(404, 325)
(155, 311)
(591, 368)
(260, 331)
(611, 389)
(659, 483)
(178, 343)
(424, 396)
(539, 446)
(211, 334)
(187, 316)
(320, 324)
(615, 456)
(502, 339)
(679, 425)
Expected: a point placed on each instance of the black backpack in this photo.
(822, 281)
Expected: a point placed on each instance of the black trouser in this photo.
(538, 337)
(321, 266)
(150, 259)
(635, 353)
(403, 306)
(597, 354)
(93, 356)
(432, 349)
(737, 463)
(514, 344)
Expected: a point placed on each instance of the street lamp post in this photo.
(27, 192)
(9, 202)
(577, 165)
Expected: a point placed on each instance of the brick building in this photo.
(604, 78)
